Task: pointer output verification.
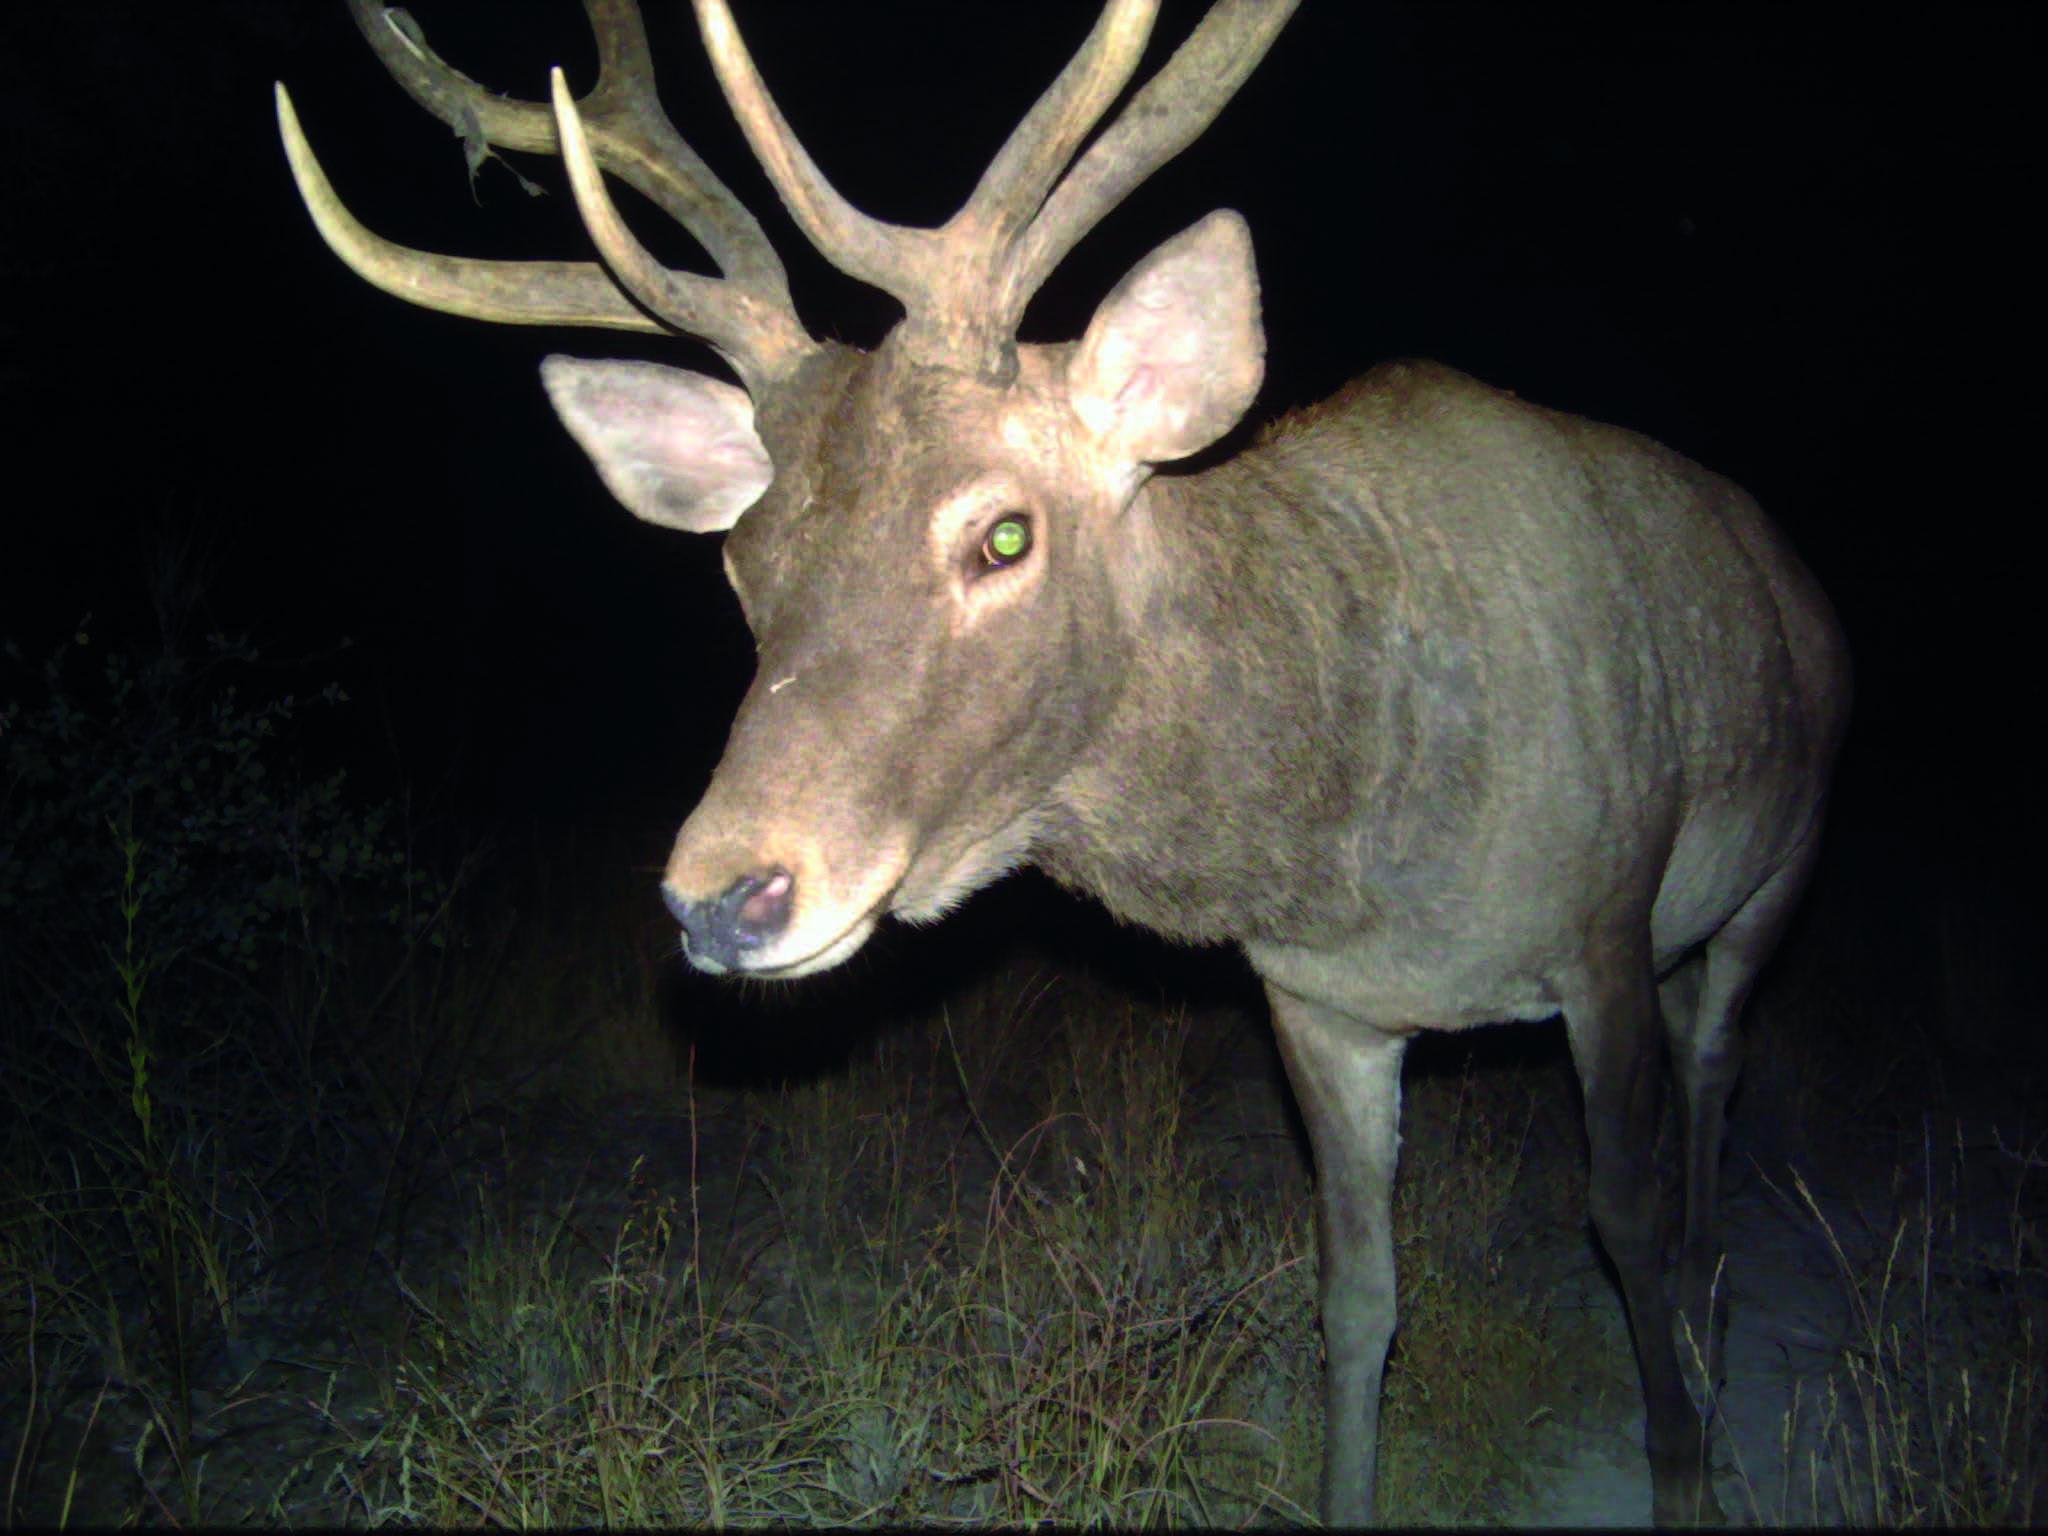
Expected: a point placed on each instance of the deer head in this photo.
(937, 544)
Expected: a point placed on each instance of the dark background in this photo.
(1791, 242)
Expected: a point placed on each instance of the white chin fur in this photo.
(818, 960)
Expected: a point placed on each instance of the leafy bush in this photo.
(181, 901)
(204, 776)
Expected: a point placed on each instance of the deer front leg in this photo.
(1347, 1080)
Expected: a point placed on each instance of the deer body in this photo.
(1422, 664)
(1445, 708)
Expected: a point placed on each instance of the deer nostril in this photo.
(751, 912)
(763, 907)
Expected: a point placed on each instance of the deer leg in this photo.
(1704, 1062)
(1702, 1001)
(1610, 1012)
(1347, 1081)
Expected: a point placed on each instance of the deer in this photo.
(1444, 708)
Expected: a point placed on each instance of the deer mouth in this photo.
(719, 946)
(774, 923)
(775, 917)
(822, 959)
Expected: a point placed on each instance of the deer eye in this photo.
(1007, 541)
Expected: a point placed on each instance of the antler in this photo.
(964, 286)
(747, 315)
(1167, 115)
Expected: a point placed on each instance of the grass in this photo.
(999, 1356)
(1935, 1409)
(1483, 1365)
(1059, 1321)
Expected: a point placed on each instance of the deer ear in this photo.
(677, 448)
(1175, 354)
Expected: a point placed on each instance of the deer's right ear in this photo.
(1175, 354)
(677, 448)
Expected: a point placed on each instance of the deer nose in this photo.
(718, 932)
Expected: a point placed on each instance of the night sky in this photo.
(1790, 242)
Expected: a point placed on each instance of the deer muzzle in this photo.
(778, 911)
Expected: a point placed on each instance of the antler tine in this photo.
(746, 333)
(747, 315)
(901, 261)
(947, 279)
(1014, 186)
(1168, 113)
(646, 151)
(965, 285)
(631, 136)
(515, 292)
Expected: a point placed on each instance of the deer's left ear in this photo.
(1175, 354)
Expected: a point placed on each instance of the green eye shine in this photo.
(1007, 541)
